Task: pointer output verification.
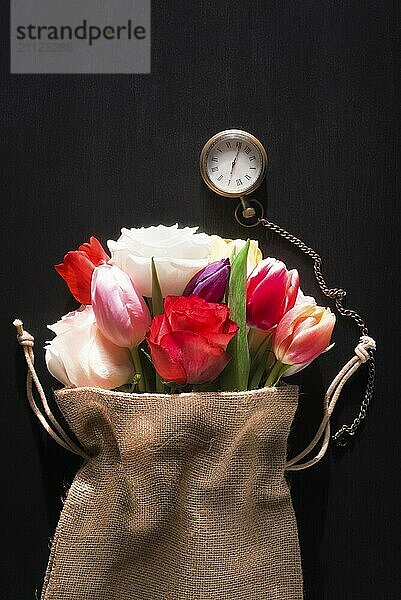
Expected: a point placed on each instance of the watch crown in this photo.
(248, 213)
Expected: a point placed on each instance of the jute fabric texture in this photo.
(184, 497)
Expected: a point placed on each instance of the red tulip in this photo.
(77, 268)
(188, 342)
(271, 292)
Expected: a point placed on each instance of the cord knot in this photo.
(366, 343)
(24, 338)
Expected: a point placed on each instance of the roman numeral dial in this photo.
(233, 163)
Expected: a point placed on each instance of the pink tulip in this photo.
(271, 292)
(302, 334)
(121, 313)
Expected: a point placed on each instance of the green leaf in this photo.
(157, 309)
(157, 297)
(235, 375)
(233, 254)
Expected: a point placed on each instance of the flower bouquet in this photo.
(172, 310)
(171, 367)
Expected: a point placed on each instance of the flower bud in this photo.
(271, 292)
(78, 266)
(121, 313)
(210, 282)
(302, 334)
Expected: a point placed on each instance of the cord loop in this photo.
(366, 343)
(50, 424)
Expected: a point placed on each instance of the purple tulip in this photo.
(210, 282)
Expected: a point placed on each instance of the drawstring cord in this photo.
(362, 355)
(26, 340)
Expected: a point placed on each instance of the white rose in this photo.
(178, 255)
(80, 355)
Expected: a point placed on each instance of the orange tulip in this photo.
(303, 333)
(301, 336)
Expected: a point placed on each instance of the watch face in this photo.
(233, 163)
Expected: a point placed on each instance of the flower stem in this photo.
(159, 384)
(258, 357)
(138, 368)
(275, 374)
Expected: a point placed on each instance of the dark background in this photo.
(83, 154)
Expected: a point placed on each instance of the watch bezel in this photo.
(238, 135)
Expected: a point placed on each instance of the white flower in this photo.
(80, 355)
(222, 248)
(178, 255)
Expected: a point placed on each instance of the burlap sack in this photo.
(184, 497)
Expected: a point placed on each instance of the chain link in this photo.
(342, 436)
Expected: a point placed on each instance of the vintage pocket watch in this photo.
(233, 163)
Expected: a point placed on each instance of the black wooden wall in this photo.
(316, 82)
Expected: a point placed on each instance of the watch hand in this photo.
(232, 166)
(234, 161)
